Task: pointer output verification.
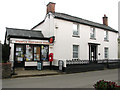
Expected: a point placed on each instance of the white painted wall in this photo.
(64, 41)
(47, 26)
(119, 49)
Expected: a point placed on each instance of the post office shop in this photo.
(27, 47)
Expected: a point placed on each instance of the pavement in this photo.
(20, 72)
(74, 80)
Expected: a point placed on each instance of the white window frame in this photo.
(75, 29)
(106, 52)
(76, 52)
(105, 35)
(92, 32)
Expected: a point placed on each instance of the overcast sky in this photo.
(25, 14)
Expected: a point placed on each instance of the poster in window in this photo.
(20, 59)
(17, 49)
(29, 52)
(44, 52)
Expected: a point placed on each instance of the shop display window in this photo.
(32, 53)
(36, 53)
(44, 53)
(29, 53)
(19, 53)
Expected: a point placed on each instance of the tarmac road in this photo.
(76, 80)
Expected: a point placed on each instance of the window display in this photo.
(29, 53)
(32, 52)
(44, 52)
(19, 53)
(36, 53)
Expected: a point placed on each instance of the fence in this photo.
(77, 65)
(105, 61)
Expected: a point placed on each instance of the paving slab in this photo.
(20, 72)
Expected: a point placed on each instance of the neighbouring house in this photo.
(77, 38)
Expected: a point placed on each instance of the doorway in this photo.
(19, 56)
(92, 52)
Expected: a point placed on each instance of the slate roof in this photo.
(67, 17)
(82, 21)
(13, 32)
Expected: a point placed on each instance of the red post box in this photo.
(51, 57)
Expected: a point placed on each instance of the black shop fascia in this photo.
(27, 47)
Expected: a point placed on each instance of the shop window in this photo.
(29, 52)
(44, 53)
(36, 53)
(19, 53)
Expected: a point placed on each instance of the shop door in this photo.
(19, 56)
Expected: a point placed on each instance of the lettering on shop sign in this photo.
(32, 42)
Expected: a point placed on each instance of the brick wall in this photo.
(6, 70)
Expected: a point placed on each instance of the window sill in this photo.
(93, 38)
(106, 40)
(75, 36)
(75, 58)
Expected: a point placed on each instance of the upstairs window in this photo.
(106, 35)
(92, 33)
(75, 29)
(75, 51)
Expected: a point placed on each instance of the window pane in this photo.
(29, 52)
(75, 51)
(75, 29)
(44, 52)
(75, 48)
(19, 53)
(105, 35)
(36, 53)
(92, 34)
(106, 52)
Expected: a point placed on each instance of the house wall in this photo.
(119, 48)
(64, 41)
(47, 26)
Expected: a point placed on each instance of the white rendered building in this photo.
(77, 38)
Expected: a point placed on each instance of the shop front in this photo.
(28, 48)
(27, 55)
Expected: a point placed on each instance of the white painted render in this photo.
(64, 40)
(119, 48)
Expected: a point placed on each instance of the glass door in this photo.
(19, 56)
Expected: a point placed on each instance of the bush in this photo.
(5, 53)
(106, 85)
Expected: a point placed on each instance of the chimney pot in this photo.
(51, 7)
(105, 20)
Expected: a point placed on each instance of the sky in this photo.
(24, 14)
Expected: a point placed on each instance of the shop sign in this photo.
(31, 42)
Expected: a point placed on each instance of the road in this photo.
(76, 80)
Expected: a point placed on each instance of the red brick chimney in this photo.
(105, 20)
(51, 7)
